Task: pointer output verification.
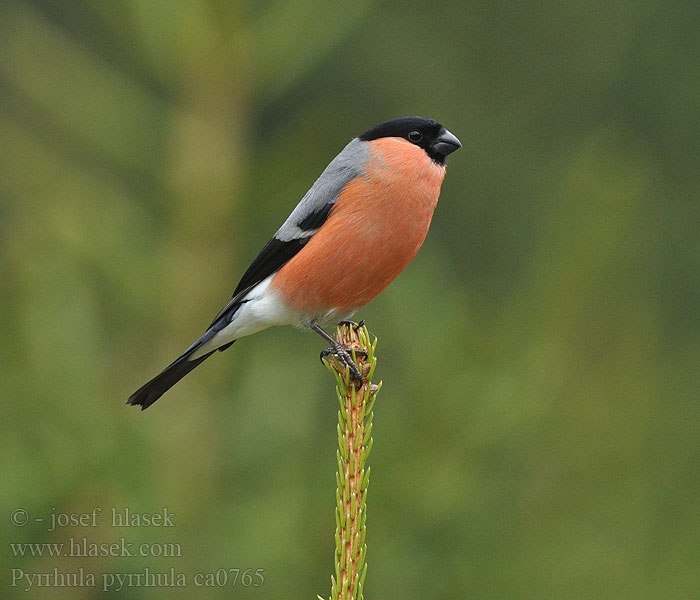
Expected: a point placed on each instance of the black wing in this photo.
(271, 258)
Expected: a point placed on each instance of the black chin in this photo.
(436, 155)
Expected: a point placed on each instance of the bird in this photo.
(351, 234)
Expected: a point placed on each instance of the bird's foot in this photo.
(344, 355)
(352, 324)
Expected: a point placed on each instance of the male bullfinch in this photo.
(373, 203)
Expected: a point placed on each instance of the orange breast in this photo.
(374, 230)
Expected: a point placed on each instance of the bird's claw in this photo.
(352, 324)
(344, 355)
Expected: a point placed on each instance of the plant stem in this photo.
(354, 445)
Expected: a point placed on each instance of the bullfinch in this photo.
(360, 224)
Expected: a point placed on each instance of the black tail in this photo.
(150, 392)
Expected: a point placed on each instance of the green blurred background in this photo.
(537, 436)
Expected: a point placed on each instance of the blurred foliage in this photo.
(539, 424)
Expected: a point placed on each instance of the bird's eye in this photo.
(415, 136)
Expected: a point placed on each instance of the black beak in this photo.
(446, 143)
